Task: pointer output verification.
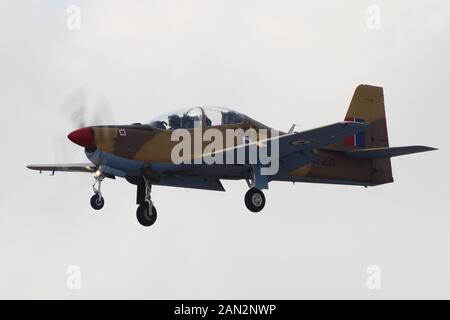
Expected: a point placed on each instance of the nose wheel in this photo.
(255, 200)
(97, 202)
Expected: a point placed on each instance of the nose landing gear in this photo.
(97, 200)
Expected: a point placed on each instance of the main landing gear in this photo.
(146, 212)
(254, 198)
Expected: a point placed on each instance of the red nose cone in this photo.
(83, 137)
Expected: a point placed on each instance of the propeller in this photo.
(76, 112)
(74, 107)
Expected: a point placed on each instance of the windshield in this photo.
(215, 116)
(182, 119)
(193, 117)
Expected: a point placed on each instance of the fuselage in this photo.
(130, 150)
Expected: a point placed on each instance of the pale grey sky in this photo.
(278, 61)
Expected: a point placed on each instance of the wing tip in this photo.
(425, 148)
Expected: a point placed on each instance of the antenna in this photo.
(291, 130)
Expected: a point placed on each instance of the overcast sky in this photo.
(281, 62)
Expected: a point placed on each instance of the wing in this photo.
(303, 141)
(72, 167)
(296, 150)
(318, 138)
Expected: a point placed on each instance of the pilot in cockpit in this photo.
(174, 122)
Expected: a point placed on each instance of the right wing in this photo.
(296, 149)
(303, 141)
(72, 167)
(318, 138)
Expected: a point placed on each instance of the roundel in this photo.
(300, 142)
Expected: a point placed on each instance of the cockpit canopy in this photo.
(193, 117)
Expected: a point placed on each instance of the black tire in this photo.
(97, 202)
(146, 214)
(255, 200)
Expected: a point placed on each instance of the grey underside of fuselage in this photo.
(237, 173)
(230, 172)
(325, 181)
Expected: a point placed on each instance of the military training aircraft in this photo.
(354, 151)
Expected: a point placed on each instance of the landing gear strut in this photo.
(97, 200)
(146, 212)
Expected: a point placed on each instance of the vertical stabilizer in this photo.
(367, 105)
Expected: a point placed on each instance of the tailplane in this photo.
(372, 145)
(386, 152)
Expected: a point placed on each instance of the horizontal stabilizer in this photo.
(386, 152)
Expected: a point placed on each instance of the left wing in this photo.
(72, 167)
(191, 182)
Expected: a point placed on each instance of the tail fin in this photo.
(367, 105)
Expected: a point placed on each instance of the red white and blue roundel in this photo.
(357, 139)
